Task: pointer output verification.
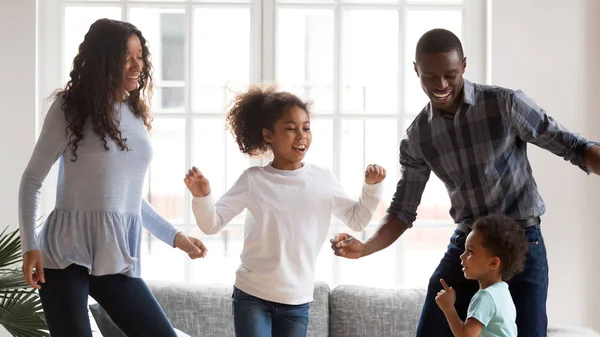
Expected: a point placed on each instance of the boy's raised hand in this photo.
(446, 297)
(374, 174)
(197, 183)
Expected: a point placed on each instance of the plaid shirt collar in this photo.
(468, 97)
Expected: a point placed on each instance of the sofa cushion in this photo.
(367, 312)
(318, 325)
(199, 310)
(205, 310)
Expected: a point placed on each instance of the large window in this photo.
(353, 59)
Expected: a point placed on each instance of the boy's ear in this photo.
(495, 263)
(267, 135)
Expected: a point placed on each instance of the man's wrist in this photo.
(592, 158)
(367, 249)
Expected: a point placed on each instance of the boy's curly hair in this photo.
(504, 238)
(257, 109)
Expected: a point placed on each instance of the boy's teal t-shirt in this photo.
(494, 308)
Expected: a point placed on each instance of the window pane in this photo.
(169, 99)
(223, 259)
(365, 142)
(222, 58)
(208, 151)
(235, 165)
(419, 22)
(381, 143)
(160, 261)
(424, 246)
(441, 2)
(304, 1)
(377, 270)
(371, 1)
(321, 148)
(435, 203)
(215, 154)
(409, 262)
(164, 29)
(326, 260)
(168, 168)
(229, 1)
(370, 61)
(77, 23)
(305, 55)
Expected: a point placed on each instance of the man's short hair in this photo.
(436, 41)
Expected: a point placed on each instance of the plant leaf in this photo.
(21, 311)
(21, 314)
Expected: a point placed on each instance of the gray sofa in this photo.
(345, 311)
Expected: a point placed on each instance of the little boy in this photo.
(494, 252)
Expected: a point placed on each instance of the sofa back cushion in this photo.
(205, 310)
(368, 312)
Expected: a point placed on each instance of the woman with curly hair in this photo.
(290, 204)
(90, 244)
(494, 252)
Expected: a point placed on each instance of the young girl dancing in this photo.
(290, 204)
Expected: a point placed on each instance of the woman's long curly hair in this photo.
(97, 80)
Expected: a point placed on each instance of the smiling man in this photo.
(474, 138)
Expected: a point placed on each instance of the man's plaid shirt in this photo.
(481, 155)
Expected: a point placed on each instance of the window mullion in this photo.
(337, 106)
(269, 36)
(189, 128)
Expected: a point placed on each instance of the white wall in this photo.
(18, 97)
(550, 49)
(592, 123)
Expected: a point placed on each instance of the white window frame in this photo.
(264, 18)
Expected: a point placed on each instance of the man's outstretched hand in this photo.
(347, 246)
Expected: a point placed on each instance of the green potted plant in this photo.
(21, 311)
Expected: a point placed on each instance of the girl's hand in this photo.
(374, 174)
(197, 183)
